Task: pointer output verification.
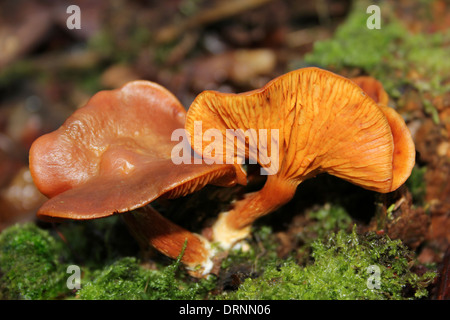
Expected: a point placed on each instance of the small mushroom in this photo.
(114, 155)
(323, 123)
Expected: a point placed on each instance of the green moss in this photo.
(122, 280)
(417, 185)
(262, 248)
(327, 219)
(125, 279)
(321, 223)
(355, 45)
(30, 264)
(340, 271)
(33, 265)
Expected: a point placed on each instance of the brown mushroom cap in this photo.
(326, 123)
(114, 155)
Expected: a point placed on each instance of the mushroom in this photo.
(322, 122)
(114, 155)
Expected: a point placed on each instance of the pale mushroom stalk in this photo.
(235, 224)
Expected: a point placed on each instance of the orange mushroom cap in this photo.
(325, 123)
(404, 149)
(114, 155)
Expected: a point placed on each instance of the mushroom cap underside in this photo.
(105, 196)
(325, 123)
(404, 149)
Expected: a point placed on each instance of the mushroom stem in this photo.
(149, 227)
(234, 225)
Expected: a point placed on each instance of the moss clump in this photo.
(341, 270)
(30, 264)
(321, 223)
(33, 265)
(125, 279)
(121, 280)
(328, 218)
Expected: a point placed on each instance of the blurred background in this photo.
(48, 70)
